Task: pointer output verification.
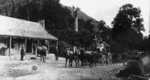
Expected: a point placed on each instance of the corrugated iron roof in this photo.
(21, 28)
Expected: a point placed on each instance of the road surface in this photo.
(15, 69)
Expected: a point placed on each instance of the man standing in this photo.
(109, 58)
(34, 48)
(104, 59)
(22, 53)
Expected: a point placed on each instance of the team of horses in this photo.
(82, 57)
(79, 55)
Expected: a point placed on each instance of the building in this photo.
(15, 32)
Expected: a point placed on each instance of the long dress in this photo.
(22, 54)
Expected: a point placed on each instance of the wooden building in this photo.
(14, 32)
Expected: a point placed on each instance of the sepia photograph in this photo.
(74, 40)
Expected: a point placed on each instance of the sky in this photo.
(107, 9)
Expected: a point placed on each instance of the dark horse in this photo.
(91, 57)
(41, 50)
(85, 56)
(68, 55)
(65, 51)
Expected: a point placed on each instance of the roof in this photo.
(22, 28)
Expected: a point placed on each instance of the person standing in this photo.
(109, 58)
(22, 53)
(34, 49)
(123, 58)
(56, 53)
(104, 59)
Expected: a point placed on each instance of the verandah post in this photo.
(10, 40)
(56, 54)
(48, 42)
(25, 45)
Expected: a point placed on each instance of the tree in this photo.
(104, 31)
(7, 7)
(23, 9)
(146, 42)
(127, 27)
(56, 16)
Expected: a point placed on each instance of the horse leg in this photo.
(66, 62)
(70, 62)
(104, 62)
(78, 62)
(43, 58)
(81, 63)
(108, 62)
(84, 62)
(75, 62)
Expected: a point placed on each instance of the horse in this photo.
(65, 50)
(86, 56)
(41, 50)
(73, 55)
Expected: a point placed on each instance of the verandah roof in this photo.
(22, 28)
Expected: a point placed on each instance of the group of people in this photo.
(37, 50)
(107, 59)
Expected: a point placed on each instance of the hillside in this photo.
(82, 15)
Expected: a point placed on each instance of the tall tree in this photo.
(127, 26)
(56, 15)
(104, 31)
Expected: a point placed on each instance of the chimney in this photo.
(42, 22)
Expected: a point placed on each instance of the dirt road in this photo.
(52, 70)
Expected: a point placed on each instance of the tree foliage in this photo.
(104, 31)
(127, 27)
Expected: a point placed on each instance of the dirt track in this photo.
(52, 70)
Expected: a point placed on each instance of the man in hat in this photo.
(22, 53)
